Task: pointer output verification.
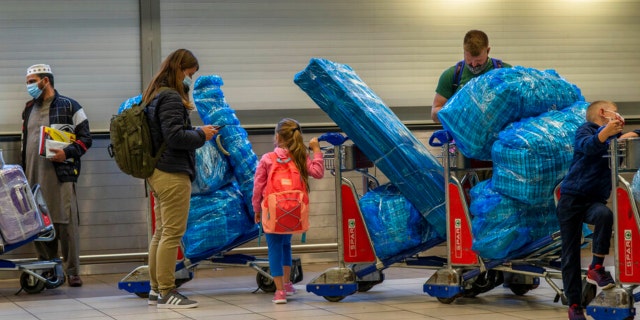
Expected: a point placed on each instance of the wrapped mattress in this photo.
(379, 134)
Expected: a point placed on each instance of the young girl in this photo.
(289, 144)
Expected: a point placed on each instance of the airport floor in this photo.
(226, 293)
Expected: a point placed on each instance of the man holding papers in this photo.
(57, 171)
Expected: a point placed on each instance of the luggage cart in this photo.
(359, 268)
(465, 274)
(40, 274)
(618, 302)
(138, 280)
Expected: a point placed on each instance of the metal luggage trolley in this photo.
(465, 274)
(618, 302)
(359, 268)
(24, 204)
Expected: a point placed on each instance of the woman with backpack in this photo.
(168, 107)
(285, 171)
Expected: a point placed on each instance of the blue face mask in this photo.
(34, 90)
(186, 82)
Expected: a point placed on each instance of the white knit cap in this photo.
(39, 68)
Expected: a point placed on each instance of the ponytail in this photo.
(290, 138)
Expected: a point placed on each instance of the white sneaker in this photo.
(153, 298)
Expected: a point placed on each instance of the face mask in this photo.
(475, 70)
(616, 116)
(34, 90)
(186, 82)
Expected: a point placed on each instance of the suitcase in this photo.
(19, 215)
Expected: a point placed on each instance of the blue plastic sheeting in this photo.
(635, 186)
(213, 171)
(502, 225)
(487, 104)
(216, 220)
(533, 155)
(378, 132)
(130, 102)
(213, 109)
(394, 224)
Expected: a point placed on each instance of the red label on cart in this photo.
(460, 229)
(357, 245)
(627, 232)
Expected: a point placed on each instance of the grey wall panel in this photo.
(93, 48)
(399, 48)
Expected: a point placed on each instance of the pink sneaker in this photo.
(280, 297)
(289, 289)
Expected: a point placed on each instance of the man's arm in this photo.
(438, 103)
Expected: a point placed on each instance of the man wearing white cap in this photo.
(58, 174)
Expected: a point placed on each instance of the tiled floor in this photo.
(228, 293)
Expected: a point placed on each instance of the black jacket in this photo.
(169, 122)
(65, 114)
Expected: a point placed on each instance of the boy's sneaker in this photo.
(289, 289)
(576, 313)
(598, 276)
(153, 298)
(280, 297)
(175, 300)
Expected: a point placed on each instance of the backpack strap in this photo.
(497, 63)
(457, 76)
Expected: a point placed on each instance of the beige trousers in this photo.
(171, 192)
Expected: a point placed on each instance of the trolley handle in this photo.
(439, 138)
(334, 138)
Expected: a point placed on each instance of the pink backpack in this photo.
(285, 203)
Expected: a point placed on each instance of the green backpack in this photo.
(131, 143)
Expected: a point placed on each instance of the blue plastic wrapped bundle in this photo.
(213, 170)
(497, 225)
(216, 220)
(129, 102)
(484, 106)
(393, 223)
(635, 186)
(378, 132)
(213, 109)
(533, 155)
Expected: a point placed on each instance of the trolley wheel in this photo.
(144, 295)
(31, 284)
(446, 300)
(334, 298)
(54, 280)
(483, 283)
(265, 284)
(588, 293)
(520, 289)
(364, 286)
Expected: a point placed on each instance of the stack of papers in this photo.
(51, 138)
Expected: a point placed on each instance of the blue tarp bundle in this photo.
(487, 104)
(394, 224)
(502, 225)
(635, 186)
(213, 171)
(378, 132)
(215, 220)
(533, 155)
(213, 109)
(220, 209)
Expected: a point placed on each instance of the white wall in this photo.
(397, 47)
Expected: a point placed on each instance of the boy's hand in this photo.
(614, 127)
